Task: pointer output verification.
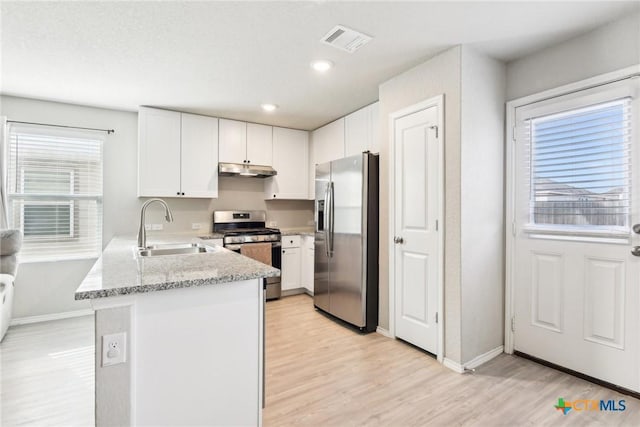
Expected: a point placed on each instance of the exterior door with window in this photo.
(577, 196)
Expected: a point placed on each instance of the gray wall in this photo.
(439, 75)
(474, 89)
(113, 383)
(608, 48)
(46, 288)
(482, 223)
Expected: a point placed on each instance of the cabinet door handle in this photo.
(248, 161)
(178, 193)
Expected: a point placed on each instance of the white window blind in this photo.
(581, 167)
(55, 191)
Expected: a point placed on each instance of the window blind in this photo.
(581, 167)
(55, 191)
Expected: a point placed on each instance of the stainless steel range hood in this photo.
(245, 170)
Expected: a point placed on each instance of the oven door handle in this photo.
(237, 246)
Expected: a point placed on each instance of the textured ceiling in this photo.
(226, 58)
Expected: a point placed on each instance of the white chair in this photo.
(10, 243)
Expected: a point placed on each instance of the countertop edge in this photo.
(141, 289)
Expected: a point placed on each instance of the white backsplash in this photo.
(234, 193)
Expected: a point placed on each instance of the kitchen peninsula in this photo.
(193, 347)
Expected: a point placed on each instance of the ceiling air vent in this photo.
(346, 39)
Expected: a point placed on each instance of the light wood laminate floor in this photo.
(319, 373)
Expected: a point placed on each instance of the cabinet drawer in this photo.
(290, 241)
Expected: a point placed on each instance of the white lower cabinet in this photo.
(297, 269)
(307, 259)
(290, 271)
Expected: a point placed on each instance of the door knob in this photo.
(398, 240)
(636, 228)
(635, 251)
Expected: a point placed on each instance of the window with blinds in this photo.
(55, 191)
(581, 167)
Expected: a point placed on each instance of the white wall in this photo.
(608, 48)
(45, 288)
(439, 75)
(482, 223)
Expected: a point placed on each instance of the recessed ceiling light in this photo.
(269, 107)
(322, 65)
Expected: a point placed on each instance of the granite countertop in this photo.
(211, 236)
(295, 231)
(119, 271)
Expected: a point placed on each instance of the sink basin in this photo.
(177, 249)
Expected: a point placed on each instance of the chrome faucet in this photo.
(142, 234)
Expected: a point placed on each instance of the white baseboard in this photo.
(383, 332)
(47, 317)
(484, 358)
(475, 362)
(454, 366)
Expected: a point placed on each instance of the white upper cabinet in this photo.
(328, 142)
(233, 141)
(259, 144)
(361, 131)
(242, 142)
(199, 147)
(327, 145)
(177, 154)
(290, 154)
(158, 153)
(374, 110)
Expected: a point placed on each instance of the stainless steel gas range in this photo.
(241, 228)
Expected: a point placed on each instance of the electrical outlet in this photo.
(114, 349)
(156, 227)
(147, 227)
(196, 226)
(273, 223)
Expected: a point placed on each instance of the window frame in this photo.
(557, 104)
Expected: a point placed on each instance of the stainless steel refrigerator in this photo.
(346, 240)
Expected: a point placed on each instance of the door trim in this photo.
(602, 79)
(436, 101)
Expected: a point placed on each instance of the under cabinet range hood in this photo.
(245, 170)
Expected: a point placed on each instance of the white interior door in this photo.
(416, 246)
(575, 280)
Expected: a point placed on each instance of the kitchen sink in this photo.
(174, 249)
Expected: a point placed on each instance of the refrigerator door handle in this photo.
(325, 220)
(331, 212)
